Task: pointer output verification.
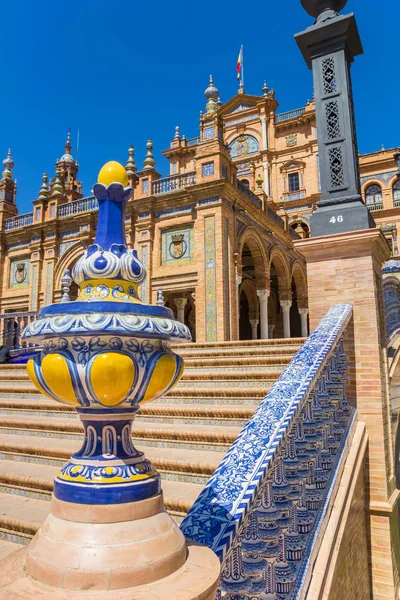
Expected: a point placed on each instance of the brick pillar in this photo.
(347, 268)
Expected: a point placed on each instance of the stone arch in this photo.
(300, 279)
(67, 260)
(255, 244)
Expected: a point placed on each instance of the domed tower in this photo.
(67, 170)
(8, 191)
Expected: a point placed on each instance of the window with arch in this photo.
(396, 193)
(373, 196)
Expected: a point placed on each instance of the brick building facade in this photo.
(216, 235)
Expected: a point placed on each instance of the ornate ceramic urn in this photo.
(104, 354)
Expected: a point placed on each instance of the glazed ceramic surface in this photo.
(106, 353)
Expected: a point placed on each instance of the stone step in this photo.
(212, 414)
(241, 343)
(213, 391)
(27, 479)
(7, 547)
(194, 354)
(224, 376)
(171, 462)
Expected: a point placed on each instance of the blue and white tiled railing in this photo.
(266, 503)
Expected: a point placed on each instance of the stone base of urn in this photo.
(132, 550)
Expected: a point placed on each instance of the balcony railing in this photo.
(193, 141)
(77, 206)
(19, 221)
(268, 500)
(373, 207)
(173, 183)
(249, 194)
(12, 325)
(294, 195)
(291, 114)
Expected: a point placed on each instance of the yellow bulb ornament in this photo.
(113, 172)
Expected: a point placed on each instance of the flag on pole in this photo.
(239, 64)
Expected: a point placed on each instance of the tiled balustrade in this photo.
(265, 505)
(175, 182)
(77, 206)
(18, 222)
(291, 114)
(12, 325)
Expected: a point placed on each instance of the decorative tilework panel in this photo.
(37, 213)
(209, 133)
(385, 177)
(210, 277)
(206, 201)
(144, 284)
(19, 272)
(52, 210)
(226, 281)
(174, 211)
(49, 283)
(64, 246)
(207, 169)
(145, 186)
(177, 246)
(34, 287)
(221, 507)
(71, 233)
(242, 145)
(224, 171)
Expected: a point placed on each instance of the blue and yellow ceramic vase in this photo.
(105, 353)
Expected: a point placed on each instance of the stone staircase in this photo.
(185, 434)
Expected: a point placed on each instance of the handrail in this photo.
(18, 221)
(297, 437)
(249, 193)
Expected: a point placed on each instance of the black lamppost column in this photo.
(329, 47)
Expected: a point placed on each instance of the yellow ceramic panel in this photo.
(112, 375)
(30, 367)
(163, 374)
(56, 374)
(113, 172)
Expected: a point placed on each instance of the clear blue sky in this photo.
(126, 71)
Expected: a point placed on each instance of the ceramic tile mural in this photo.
(226, 281)
(19, 272)
(263, 508)
(34, 287)
(49, 283)
(143, 290)
(210, 276)
(207, 169)
(177, 246)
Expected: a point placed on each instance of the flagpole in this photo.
(242, 68)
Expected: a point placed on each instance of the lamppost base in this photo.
(340, 218)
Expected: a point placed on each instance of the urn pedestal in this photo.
(108, 534)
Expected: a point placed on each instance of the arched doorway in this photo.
(244, 321)
(253, 270)
(280, 295)
(295, 321)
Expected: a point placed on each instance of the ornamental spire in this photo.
(8, 166)
(130, 166)
(57, 188)
(149, 162)
(44, 189)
